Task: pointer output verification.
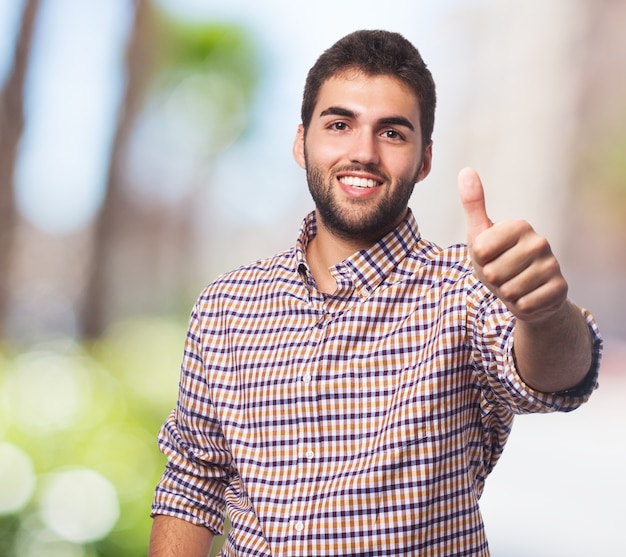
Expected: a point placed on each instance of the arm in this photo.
(174, 537)
(556, 354)
(188, 504)
(552, 342)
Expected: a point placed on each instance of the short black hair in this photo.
(375, 52)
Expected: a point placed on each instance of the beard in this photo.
(358, 219)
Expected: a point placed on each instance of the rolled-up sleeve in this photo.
(491, 333)
(564, 401)
(199, 461)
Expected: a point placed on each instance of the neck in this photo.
(326, 250)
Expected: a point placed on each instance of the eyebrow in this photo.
(347, 113)
(338, 111)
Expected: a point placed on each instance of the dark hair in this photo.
(374, 53)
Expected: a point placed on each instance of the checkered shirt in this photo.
(359, 423)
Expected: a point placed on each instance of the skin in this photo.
(173, 537)
(368, 127)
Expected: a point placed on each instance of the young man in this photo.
(351, 395)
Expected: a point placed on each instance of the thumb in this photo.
(473, 200)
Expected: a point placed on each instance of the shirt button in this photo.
(299, 526)
(306, 378)
(310, 455)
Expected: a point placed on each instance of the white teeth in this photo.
(358, 182)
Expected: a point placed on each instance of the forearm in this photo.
(555, 354)
(173, 537)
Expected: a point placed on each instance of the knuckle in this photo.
(491, 274)
(508, 292)
(523, 226)
(539, 245)
(525, 306)
(480, 251)
(553, 267)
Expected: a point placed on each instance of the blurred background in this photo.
(145, 148)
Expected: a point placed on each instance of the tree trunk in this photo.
(11, 127)
(93, 316)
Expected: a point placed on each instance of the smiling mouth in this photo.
(355, 182)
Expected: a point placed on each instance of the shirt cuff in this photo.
(189, 498)
(572, 398)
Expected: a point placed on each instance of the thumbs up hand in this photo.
(510, 258)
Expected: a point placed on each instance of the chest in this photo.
(357, 375)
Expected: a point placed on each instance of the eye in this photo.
(338, 126)
(392, 134)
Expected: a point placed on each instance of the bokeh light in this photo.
(150, 374)
(79, 505)
(17, 478)
(82, 422)
(43, 546)
(116, 450)
(35, 539)
(46, 390)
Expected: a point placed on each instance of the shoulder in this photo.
(449, 271)
(452, 262)
(253, 278)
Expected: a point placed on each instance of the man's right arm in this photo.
(174, 537)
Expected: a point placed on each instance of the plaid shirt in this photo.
(359, 423)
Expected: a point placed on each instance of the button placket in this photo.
(307, 411)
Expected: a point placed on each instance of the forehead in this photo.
(369, 95)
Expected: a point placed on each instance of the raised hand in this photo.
(510, 258)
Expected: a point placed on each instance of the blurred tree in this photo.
(11, 127)
(138, 64)
(188, 91)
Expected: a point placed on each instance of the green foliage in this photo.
(206, 48)
(202, 80)
(90, 408)
(8, 531)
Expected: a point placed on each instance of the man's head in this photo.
(374, 53)
(364, 140)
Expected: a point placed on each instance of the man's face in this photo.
(363, 154)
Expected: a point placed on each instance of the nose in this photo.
(364, 148)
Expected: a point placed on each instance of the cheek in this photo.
(413, 165)
(326, 149)
(404, 168)
(324, 158)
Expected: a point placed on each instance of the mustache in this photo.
(367, 168)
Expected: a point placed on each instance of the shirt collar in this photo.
(369, 267)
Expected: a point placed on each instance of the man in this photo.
(350, 396)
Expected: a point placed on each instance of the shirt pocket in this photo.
(401, 408)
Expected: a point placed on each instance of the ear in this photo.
(298, 147)
(427, 161)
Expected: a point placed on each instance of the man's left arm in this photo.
(552, 341)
